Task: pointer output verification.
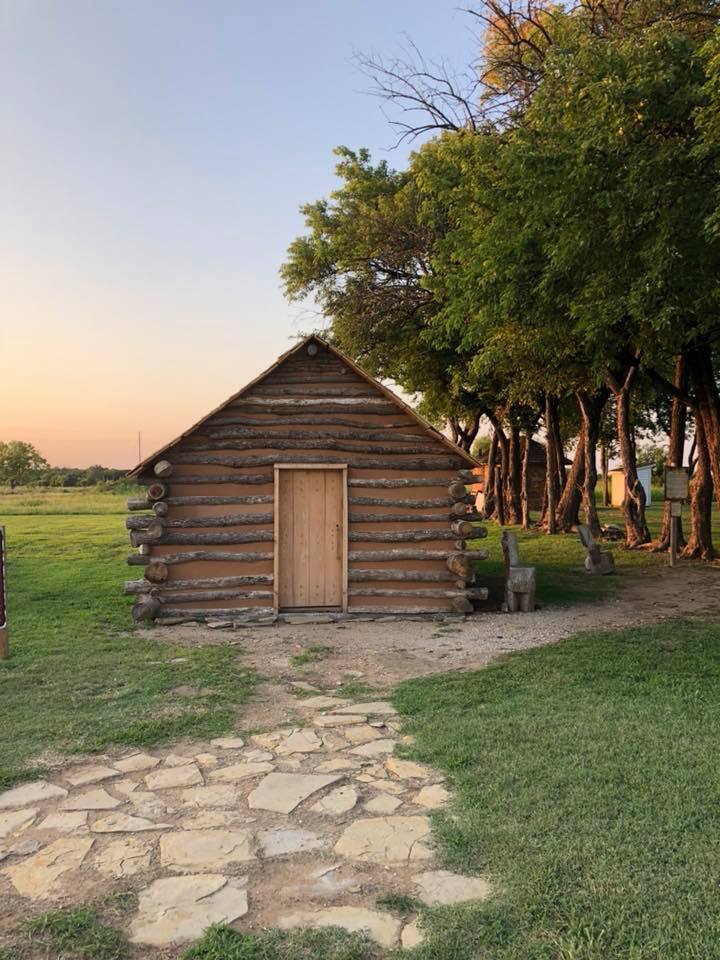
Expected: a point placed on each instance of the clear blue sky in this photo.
(153, 156)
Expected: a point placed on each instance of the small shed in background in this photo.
(618, 485)
(536, 477)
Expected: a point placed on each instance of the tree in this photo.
(20, 462)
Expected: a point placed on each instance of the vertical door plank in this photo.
(318, 560)
(301, 547)
(334, 537)
(286, 511)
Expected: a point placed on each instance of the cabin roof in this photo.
(406, 408)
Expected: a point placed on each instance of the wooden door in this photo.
(310, 538)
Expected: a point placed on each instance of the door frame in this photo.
(343, 467)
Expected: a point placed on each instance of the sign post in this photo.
(676, 491)
(3, 599)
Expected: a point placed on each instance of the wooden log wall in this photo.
(205, 528)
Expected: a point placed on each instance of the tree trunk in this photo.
(500, 479)
(604, 471)
(467, 432)
(552, 460)
(700, 368)
(569, 505)
(676, 449)
(524, 481)
(700, 544)
(591, 407)
(513, 479)
(489, 492)
(633, 505)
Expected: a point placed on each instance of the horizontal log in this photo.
(152, 530)
(320, 389)
(399, 536)
(143, 586)
(139, 503)
(199, 596)
(395, 483)
(398, 518)
(304, 419)
(425, 463)
(223, 613)
(323, 403)
(371, 436)
(289, 377)
(356, 556)
(409, 504)
(209, 539)
(270, 443)
(218, 501)
(163, 469)
(466, 530)
(230, 520)
(477, 593)
(398, 611)
(404, 592)
(255, 479)
(171, 559)
(422, 576)
(468, 476)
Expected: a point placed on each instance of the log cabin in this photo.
(312, 489)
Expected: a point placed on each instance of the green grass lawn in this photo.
(587, 785)
(80, 676)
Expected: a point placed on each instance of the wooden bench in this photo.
(519, 578)
(596, 561)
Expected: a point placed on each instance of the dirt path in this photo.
(381, 653)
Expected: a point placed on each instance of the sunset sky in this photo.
(153, 157)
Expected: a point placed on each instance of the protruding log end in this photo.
(460, 565)
(156, 571)
(156, 491)
(160, 508)
(163, 468)
(146, 608)
(457, 490)
(461, 605)
(463, 529)
(467, 476)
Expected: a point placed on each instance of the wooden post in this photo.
(673, 540)
(4, 646)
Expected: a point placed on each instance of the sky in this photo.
(153, 159)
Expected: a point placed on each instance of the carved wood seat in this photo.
(519, 577)
(597, 561)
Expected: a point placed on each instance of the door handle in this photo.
(338, 542)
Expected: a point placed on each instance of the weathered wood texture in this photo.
(410, 510)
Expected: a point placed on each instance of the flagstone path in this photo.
(303, 826)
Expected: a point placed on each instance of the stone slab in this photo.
(137, 762)
(407, 769)
(443, 887)
(169, 778)
(239, 771)
(381, 927)
(84, 776)
(383, 804)
(432, 797)
(16, 820)
(27, 793)
(386, 839)
(285, 840)
(379, 708)
(214, 795)
(336, 802)
(179, 909)
(282, 792)
(98, 799)
(193, 850)
(228, 743)
(65, 822)
(376, 748)
(40, 876)
(125, 823)
(124, 858)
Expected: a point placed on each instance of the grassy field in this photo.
(586, 783)
(80, 676)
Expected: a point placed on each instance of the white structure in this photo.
(617, 484)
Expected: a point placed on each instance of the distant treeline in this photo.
(77, 477)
